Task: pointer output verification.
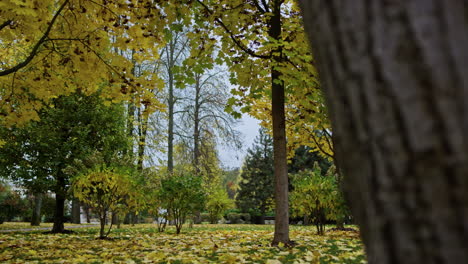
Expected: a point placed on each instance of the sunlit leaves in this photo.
(251, 52)
(203, 244)
(107, 190)
(86, 49)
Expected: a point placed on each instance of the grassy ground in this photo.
(24, 225)
(201, 244)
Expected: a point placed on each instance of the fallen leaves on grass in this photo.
(25, 225)
(202, 244)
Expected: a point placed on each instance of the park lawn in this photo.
(201, 244)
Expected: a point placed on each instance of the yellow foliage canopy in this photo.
(50, 48)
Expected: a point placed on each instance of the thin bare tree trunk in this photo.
(170, 50)
(143, 119)
(395, 75)
(196, 124)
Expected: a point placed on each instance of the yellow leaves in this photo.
(88, 46)
(154, 256)
(140, 244)
(312, 257)
(273, 261)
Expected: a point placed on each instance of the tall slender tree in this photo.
(174, 53)
(204, 116)
(260, 48)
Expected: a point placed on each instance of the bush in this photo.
(217, 203)
(317, 196)
(234, 218)
(182, 195)
(246, 217)
(106, 190)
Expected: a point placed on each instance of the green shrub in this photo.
(234, 218)
(246, 217)
(317, 196)
(182, 195)
(217, 203)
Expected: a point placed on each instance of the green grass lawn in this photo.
(200, 244)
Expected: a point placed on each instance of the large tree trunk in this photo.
(58, 226)
(76, 212)
(60, 196)
(279, 138)
(395, 74)
(36, 215)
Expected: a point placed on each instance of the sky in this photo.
(249, 129)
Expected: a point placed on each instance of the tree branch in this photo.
(257, 4)
(37, 46)
(266, 6)
(231, 35)
(320, 147)
(4, 24)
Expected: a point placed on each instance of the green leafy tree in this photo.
(36, 155)
(217, 202)
(182, 195)
(255, 194)
(107, 190)
(305, 158)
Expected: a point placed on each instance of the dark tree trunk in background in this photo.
(127, 219)
(395, 74)
(87, 213)
(58, 226)
(36, 214)
(76, 212)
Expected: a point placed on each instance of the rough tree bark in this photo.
(395, 74)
